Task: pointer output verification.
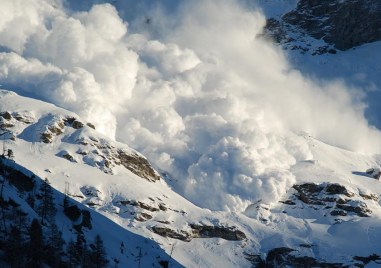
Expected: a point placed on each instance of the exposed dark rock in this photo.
(373, 197)
(5, 125)
(288, 202)
(138, 204)
(256, 260)
(90, 191)
(138, 165)
(90, 125)
(163, 222)
(6, 115)
(333, 196)
(278, 255)
(167, 232)
(162, 207)
(113, 156)
(365, 260)
(277, 31)
(338, 213)
(308, 192)
(375, 173)
(67, 156)
(27, 119)
(143, 216)
(147, 207)
(55, 129)
(73, 122)
(69, 120)
(201, 231)
(227, 233)
(77, 124)
(360, 209)
(92, 204)
(343, 24)
(47, 137)
(338, 189)
(287, 257)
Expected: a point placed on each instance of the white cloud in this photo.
(206, 101)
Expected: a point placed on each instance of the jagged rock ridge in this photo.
(342, 24)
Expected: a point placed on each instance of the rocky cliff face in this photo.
(343, 24)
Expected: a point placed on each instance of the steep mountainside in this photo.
(343, 24)
(228, 176)
(128, 201)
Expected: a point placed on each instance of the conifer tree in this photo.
(72, 254)
(98, 253)
(54, 246)
(46, 209)
(14, 248)
(78, 252)
(35, 245)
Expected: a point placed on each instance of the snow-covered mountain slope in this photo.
(332, 206)
(221, 113)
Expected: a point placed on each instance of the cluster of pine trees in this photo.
(39, 243)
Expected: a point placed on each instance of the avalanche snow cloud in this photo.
(197, 92)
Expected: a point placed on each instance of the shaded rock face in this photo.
(167, 232)
(6, 115)
(343, 24)
(365, 260)
(227, 233)
(287, 257)
(105, 156)
(335, 199)
(201, 231)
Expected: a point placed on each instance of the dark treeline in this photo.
(38, 242)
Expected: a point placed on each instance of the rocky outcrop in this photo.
(227, 233)
(168, 232)
(73, 122)
(25, 118)
(332, 198)
(54, 128)
(138, 165)
(366, 260)
(105, 156)
(342, 24)
(6, 115)
(287, 257)
(9, 120)
(66, 155)
(201, 231)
